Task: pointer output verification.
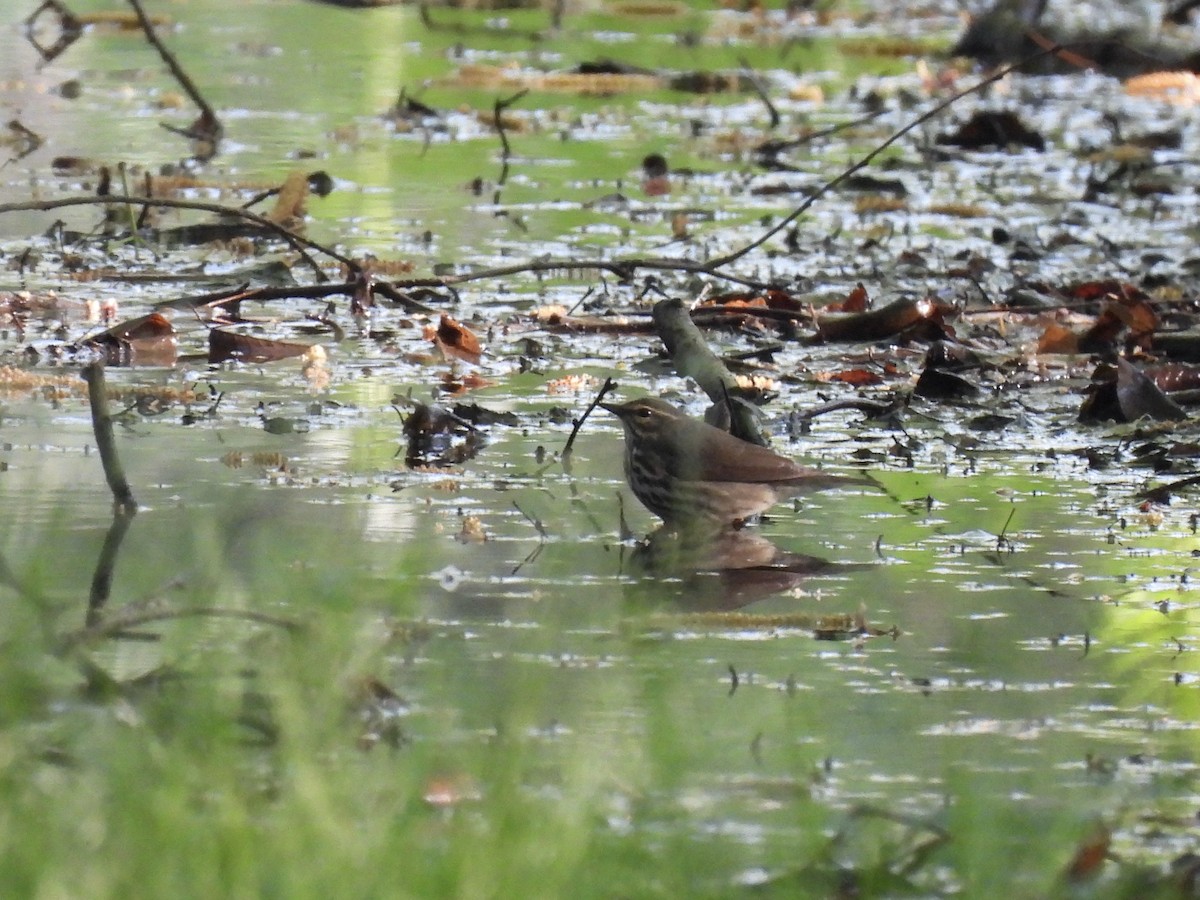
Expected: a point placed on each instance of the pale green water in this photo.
(1010, 668)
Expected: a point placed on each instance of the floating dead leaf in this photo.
(119, 20)
(1120, 313)
(807, 93)
(472, 531)
(170, 100)
(16, 304)
(437, 437)
(14, 380)
(959, 210)
(1058, 339)
(1099, 290)
(772, 298)
(858, 300)
(856, 377)
(315, 368)
(388, 268)
(999, 130)
(453, 383)
(1090, 855)
(456, 341)
(937, 384)
(225, 344)
(1181, 88)
(924, 316)
(879, 204)
(289, 204)
(270, 460)
(146, 340)
(480, 415)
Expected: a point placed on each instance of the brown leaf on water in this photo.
(453, 383)
(936, 384)
(1180, 88)
(289, 204)
(1120, 313)
(856, 377)
(923, 318)
(993, 129)
(858, 300)
(1098, 290)
(772, 298)
(1057, 339)
(225, 344)
(472, 531)
(456, 341)
(146, 340)
(1089, 855)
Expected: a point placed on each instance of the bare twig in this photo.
(760, 89)
(869, 158)
(498, 117)
(609, 385)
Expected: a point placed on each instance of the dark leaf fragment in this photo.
(225, 344)
(146, 340)
(999, 130)
(923, 318)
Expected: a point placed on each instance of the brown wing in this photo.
(726, 458)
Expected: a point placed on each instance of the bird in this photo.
(690, 473)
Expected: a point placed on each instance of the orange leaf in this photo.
(1090, 855)
(1057, 339)
(457, 341)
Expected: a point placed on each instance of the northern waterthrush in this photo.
(690, 473)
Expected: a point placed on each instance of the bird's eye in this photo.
(645, 413)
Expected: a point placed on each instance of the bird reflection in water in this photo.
(723, 569)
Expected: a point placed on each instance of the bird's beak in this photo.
(612, 408)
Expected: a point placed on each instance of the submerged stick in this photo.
(114, 474)
(608, 385)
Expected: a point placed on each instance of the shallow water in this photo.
(1041, 615)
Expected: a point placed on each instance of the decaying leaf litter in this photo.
(1010, 278)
